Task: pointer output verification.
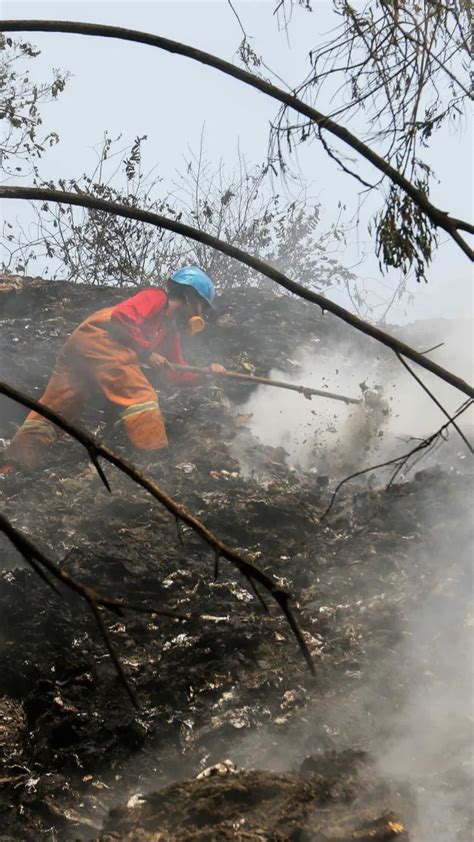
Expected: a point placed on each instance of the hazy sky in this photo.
(135, 89)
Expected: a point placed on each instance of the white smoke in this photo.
(332, 437)
(308, 428)
(432, 737)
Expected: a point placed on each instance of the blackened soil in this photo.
(229, 681)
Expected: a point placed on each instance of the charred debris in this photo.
(233, 737)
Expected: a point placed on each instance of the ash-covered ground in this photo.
(378, 744)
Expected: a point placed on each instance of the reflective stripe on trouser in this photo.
(43, 428)
(144, 426)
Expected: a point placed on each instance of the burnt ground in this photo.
(375, 743)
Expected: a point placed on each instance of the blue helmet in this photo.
(194, 277)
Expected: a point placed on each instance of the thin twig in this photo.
(178, 531)
(115, 659)
(258, 595)
(437, 402)
(234, 10)
(338, 161)
(398, 459)
(434, 348)
(40, 572)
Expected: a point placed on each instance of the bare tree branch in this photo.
(39, 193)
(96, 449)
(41, 563)
(438, 217)
(400, 67)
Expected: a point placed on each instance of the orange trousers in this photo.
(92, 360)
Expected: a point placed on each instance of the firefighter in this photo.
(106, 354)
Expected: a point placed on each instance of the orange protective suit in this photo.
(104, 354)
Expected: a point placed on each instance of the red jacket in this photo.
(142, 325)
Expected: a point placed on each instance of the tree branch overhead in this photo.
(61, 197)
(417, 196)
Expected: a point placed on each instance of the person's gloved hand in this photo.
(217, 368)
(156, 361)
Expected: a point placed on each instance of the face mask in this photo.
(196, 324)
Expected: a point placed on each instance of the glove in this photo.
(156, 361)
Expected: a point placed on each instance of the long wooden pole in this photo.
(267, 381)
